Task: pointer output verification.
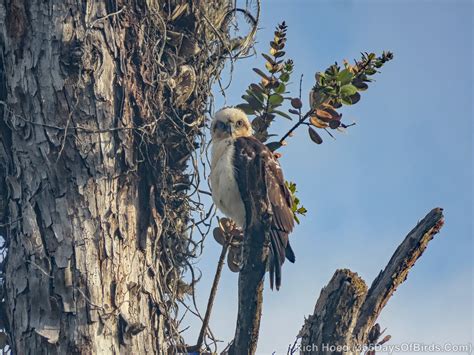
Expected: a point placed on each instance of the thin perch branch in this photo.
(210, 302)
(212, 296)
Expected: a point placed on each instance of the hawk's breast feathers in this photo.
(232, 159)
(225, 191)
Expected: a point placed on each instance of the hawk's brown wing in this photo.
(246, 149)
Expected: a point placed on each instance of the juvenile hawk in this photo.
(233, 150)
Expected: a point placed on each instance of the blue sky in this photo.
(410, 151)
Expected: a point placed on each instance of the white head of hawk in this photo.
(233, 150)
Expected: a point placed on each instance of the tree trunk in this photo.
(343, 321)
(101, 103)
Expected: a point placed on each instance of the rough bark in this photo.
(101, 103)
(335, 312)
(345, 314)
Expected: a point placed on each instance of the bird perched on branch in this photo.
(233, 152)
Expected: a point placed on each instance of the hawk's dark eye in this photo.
(220, 125)
(239, 123)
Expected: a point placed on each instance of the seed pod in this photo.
(218, 235)
(316, 122)
(334, 124)
(296, 103)
(329, 109)
(233, 260)
(323, 115)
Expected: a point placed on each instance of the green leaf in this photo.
(282, 114)
(285, 77)
(345, 76)
(269, 59)
(275, 99)
(257, 105)
(346, 101)
(351, 100)
(329, 90)
(360, 85)
(316, 97)
(246, 108)
(355, 98)
(295, 206)
(280, 89)
(302, 210)
(268, 116)
(348, 90)
(291, 186)
(315, 137)
(336, 103)
(256, 88)
(275, 45)
(319, 76)
(261, 73)
(257, 95)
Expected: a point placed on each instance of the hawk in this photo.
(233, 150)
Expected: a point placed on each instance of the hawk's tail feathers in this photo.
(277, 257)
(272, 271)
(289, 253)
